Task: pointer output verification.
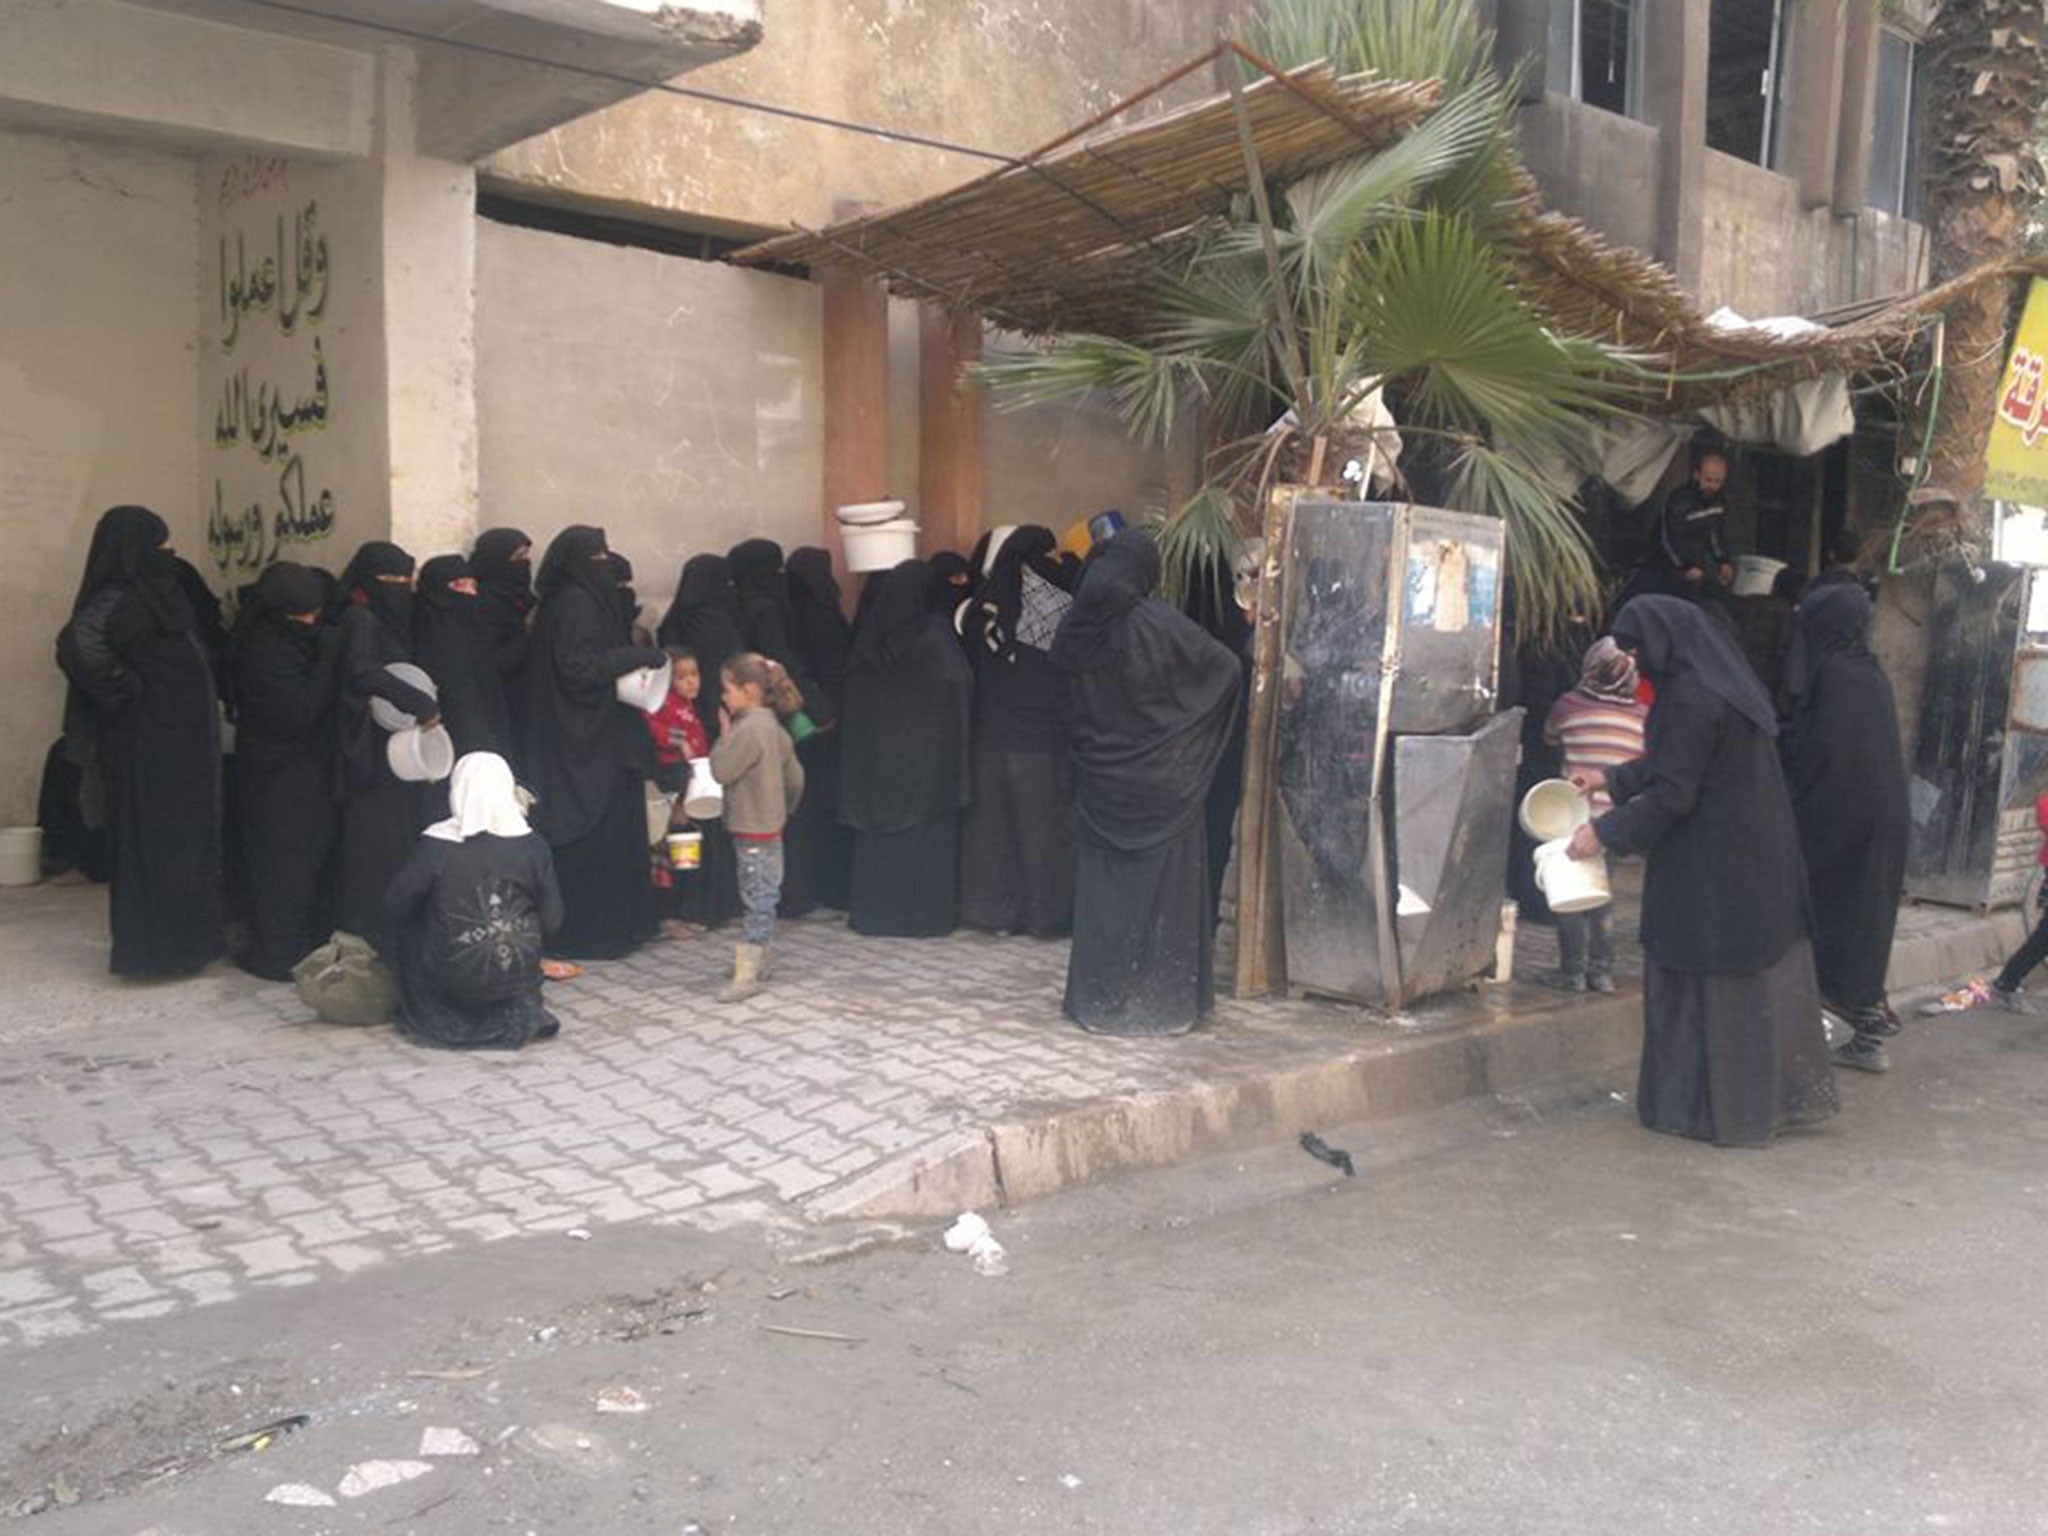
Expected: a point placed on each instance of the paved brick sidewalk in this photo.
(172, 1144)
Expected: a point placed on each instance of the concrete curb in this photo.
(1956, 951)
(1564, 1048)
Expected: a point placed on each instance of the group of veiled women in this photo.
(1775, 831)
(1014, 742)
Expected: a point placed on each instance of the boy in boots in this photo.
(757, 766)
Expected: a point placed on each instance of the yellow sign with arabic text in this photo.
(2017, 460)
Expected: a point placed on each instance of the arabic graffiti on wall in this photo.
(276, 387)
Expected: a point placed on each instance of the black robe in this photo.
(471, 917)
(1154, 703)
(381, 813)
(904, 772)
(704, 619)
(588, 755)
(768, 627)
(505, 604)
(1847, 775)
(145, 698)
(451, 641)
(818, 857)
(287, 676)
(1017, 846)
(1733, 1046)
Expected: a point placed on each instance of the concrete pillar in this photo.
(429, 313)
(1521, 39)
(949, 430)
(856, 399)
(1813, 106)
(1675, 102)
(1859, 93)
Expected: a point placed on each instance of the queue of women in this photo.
(1015, 742)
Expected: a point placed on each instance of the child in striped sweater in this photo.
(1599, 724)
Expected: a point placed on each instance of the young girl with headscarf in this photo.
(142, 722)
(1597, 726)
(471, 907)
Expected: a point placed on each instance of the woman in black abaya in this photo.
(704, 619)
(588, 755)
(143, 721)
(768, 625)
(1154, 702)
(454, 646)
(904, 774)
(471, 908)
(1017, 846)
(1847, 775)
(287, 677)
(381, 813)
(824, 651)
(1733, 1046)
(502, 563)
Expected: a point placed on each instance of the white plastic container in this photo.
(389, 715)
(1755, 575)
(878, 546)
(1554, 809)
(1569, 884)
(864, 514)
(421, 756)
(21, 855)
(704, 800)
(646, 689)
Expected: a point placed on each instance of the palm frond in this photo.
(1198, 542)
(1402, 39)
(1153, 391)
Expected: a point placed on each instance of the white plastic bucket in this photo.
(1755, 575)
(421, 756)
(864, 514)
(879, 546)
(1569, 884)
(1554, 809)
(389, 715)
(645, 688)
(21, 855)
(703, 800)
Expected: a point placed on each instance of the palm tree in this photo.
(1388, 272)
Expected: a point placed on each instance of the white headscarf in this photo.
(484, 799)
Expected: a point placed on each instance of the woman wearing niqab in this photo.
(1154, 701)
(453, 643)
(502, 562)
(472, 907)
(1847, 774)
(819, 867)
(704, 619)
(1734, 1050)
(287, 670)
(588, 755)
(143, 720)
(904, 774)
(381, 813)
(1017, 846)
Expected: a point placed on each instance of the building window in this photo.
(1595, 53)
(1894, 125)
(1747, 68)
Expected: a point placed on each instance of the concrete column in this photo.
(1814, 105)
(429, 291)
(949, 430)
(856, 399)
(1675, 101)
(1859, 94)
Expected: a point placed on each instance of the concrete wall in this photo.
(1766, 255)
(1595, 166)
(996, 77)
(99, 280)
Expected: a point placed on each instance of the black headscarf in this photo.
(704, 620)
(445, 622)
(359, 586)
(1119, 575)
(624, 596)
(1833, 621)
(128, 550)
(497, 573)
(1671, 636)
(579, 557)
(1000, 599)
(288, 587)
(898, 616)
(952, 582)
(824, 640)
(903, 754)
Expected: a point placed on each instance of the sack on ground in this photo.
(345, 983)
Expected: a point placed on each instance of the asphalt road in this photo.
(1509, 1322)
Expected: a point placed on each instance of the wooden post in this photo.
(856, 401)
(949, 430)
(1261, 943)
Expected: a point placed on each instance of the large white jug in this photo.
(703, 800)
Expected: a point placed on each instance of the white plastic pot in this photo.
(21, 855)
(646, 689)
(704, 800)
(1554, 809)
(389, 715)
(1569, 884)
(1755, 575)
(879, 546)
(862, 514)
(421, 756)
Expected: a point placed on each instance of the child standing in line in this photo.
(1599, 724)
(763, 781)
(679, 738)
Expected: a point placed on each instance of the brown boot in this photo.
(746, 974)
